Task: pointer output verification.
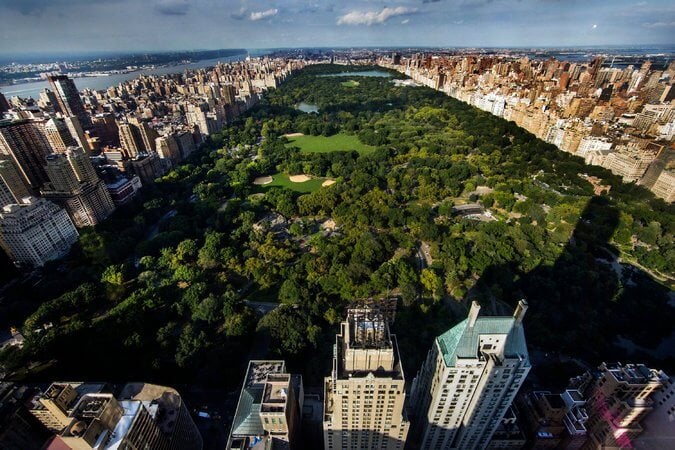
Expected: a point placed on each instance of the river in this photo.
(34, 88)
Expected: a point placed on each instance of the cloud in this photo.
(659, 24)
(239, 15)
(373, 17)
(259, 15)
(173, 7)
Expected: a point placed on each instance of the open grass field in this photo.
(350, 83)
(337, 142)
(283, 180)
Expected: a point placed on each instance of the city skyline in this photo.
(132, 26)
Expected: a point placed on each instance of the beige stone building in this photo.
(664, 186)
(618, 400)
(469, 380)
(364, 398)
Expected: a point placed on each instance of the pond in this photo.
(307, 107)
(364, 73)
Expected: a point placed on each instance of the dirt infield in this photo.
(299, 178)
(262, 180)
(328, 183)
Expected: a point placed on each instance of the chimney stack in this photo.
(519, 313)
(473, 313)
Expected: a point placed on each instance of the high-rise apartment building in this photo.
(167, 148)
(12, 186)
(618, 399)
(58, 135)
(87, 416)
(130, 139)
(24, 144)
(364, 398)
(68, 98)
(469, 380)
(19, 430)
(659, 425)
(36, 231)
(75, 186)
(269, 410)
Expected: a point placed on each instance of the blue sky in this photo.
(87, 25)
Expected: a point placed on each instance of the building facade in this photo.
(469, 381)
(364, 398)
(36, 231)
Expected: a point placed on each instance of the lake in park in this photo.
(364, 73)
(307, 107)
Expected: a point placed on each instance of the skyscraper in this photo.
(469, 380)
(68, 98)
(36, 231)
(364, 398)
(75, 186)
(130, 139)
(27, 148)
(4, 104)
(58, 135)
(12, 186)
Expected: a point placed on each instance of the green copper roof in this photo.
(247, 418)
(461, 341)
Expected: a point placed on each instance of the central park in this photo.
(312, 210)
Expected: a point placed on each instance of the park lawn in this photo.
(282, 180)
(350, 83)
(335, 143)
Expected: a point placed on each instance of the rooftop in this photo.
(461, 341)
(131, 409)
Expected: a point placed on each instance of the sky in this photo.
(65, 26)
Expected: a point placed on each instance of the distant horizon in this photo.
(93, 53)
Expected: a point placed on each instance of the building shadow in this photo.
(584, 301)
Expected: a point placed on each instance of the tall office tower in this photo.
(364, 398)
(24, 144)
(58, 135)
(617, 402)
(469, 380)
(75, 186)
(36, 231)
(269, 409)
(4, 104)
(130, 139)
(12, 187)
(69, 99)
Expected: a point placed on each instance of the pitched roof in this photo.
(247, 418)
(461, 341)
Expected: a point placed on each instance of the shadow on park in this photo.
(584, 301)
